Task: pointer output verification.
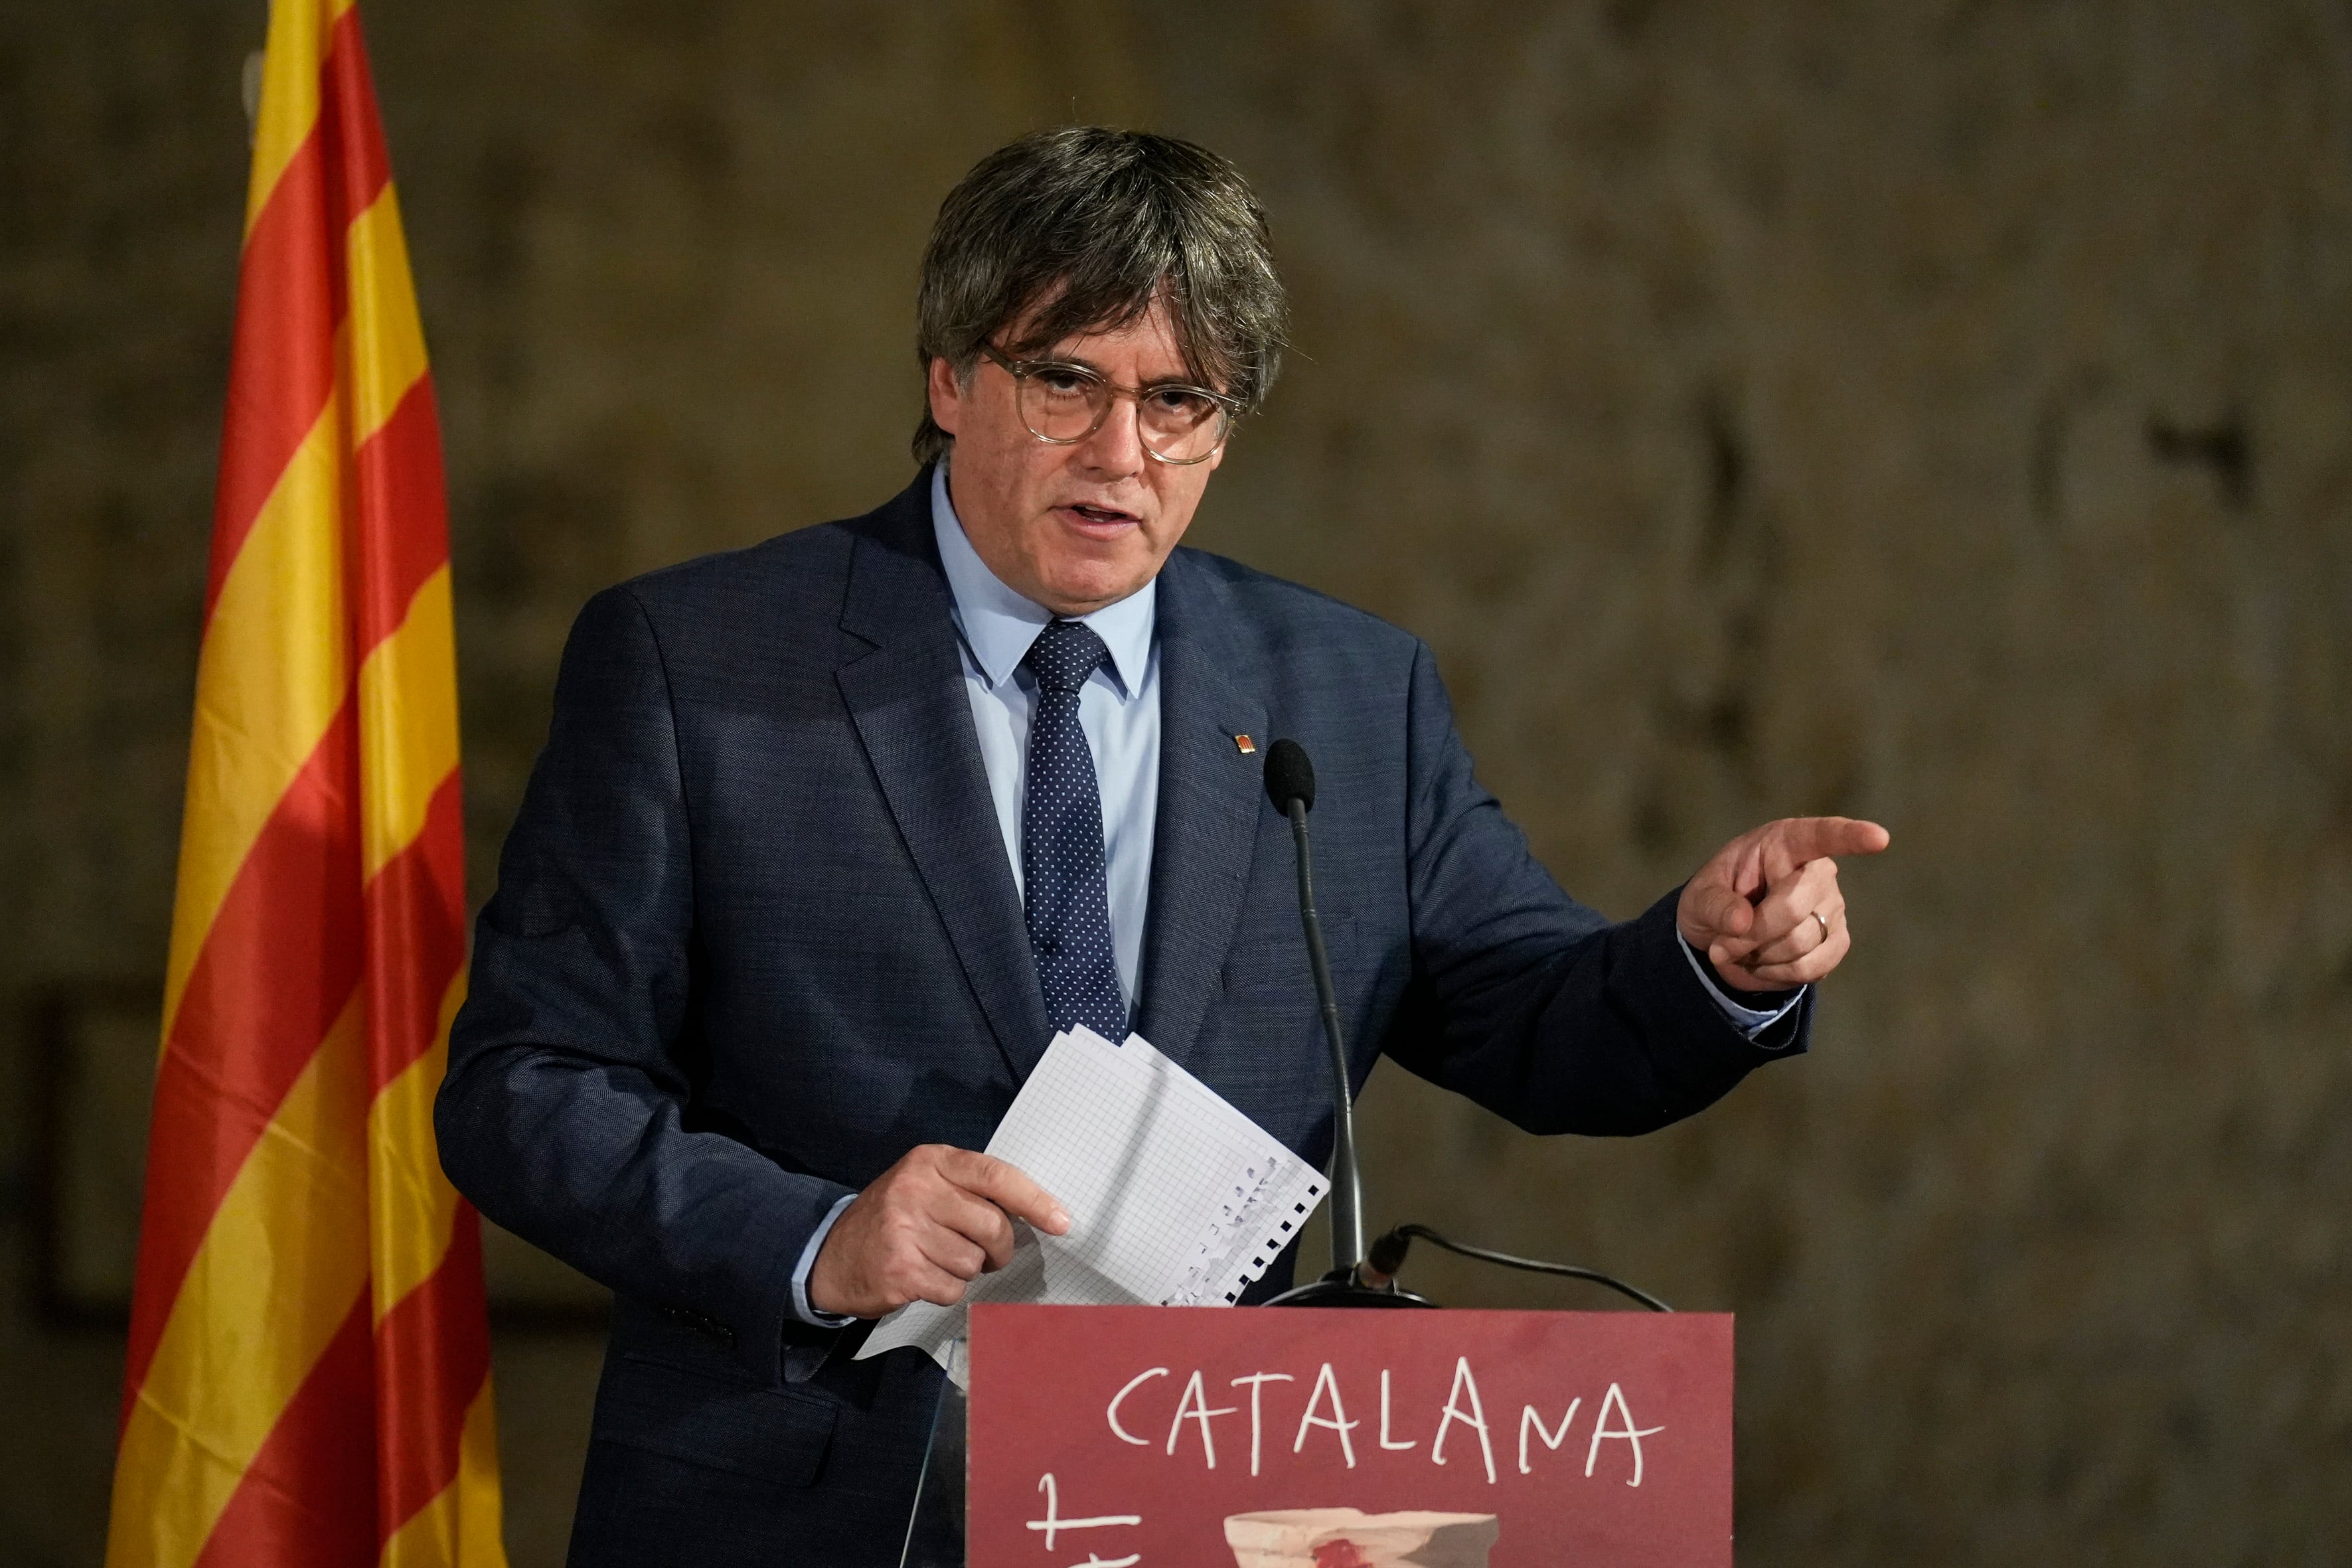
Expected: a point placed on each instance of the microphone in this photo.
(1289, 776)
(1290, 785)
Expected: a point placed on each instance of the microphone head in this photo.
(1289, 776)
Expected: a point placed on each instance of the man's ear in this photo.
(945, 394)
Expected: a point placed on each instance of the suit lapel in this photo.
(904, 693)
(1210, 793)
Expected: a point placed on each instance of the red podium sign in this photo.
(1150, 1436)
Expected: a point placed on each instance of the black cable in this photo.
(1386, 1255)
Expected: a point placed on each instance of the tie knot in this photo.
(1064, 655)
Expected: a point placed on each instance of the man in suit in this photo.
(831, 834)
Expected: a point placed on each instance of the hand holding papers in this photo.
(1176, 1198)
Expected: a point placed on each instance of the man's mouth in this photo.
(1101, 516)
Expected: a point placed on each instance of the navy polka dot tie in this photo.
(1062, 870)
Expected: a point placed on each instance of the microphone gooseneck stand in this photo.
(1291, 784)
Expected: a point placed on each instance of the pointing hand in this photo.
(1767, 910)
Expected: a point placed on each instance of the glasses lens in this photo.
(1062, 403)
(1180, 424)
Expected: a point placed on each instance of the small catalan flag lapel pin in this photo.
(1245, 745)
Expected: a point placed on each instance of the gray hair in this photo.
(1082, 229)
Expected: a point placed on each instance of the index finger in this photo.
(1008, 1187)
(1803, 838)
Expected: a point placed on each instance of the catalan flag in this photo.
(307, 1382)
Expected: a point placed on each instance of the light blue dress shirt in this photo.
(1119, 709)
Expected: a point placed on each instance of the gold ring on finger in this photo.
(1825, 924)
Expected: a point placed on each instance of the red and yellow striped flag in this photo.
(308, 1372)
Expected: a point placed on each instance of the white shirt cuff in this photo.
(801, 1307)
(1749, 1021)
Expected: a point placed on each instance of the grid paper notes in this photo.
(1175, 1198)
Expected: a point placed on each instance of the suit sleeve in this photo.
(1534, 1006)
(564, 1115)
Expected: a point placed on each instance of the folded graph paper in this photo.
(1176, 1199)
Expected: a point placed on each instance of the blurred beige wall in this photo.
(1937, 412)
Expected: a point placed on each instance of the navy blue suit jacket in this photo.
(755, 937)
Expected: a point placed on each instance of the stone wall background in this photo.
(1937, 412)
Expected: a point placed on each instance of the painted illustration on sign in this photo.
(1351, 1538)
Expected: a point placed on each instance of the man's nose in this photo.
(1116, 449)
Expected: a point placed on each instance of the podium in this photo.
(1129, 1437)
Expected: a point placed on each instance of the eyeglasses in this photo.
(1063, 405)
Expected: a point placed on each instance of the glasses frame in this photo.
(1229, 409)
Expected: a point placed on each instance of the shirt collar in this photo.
(998, 624)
